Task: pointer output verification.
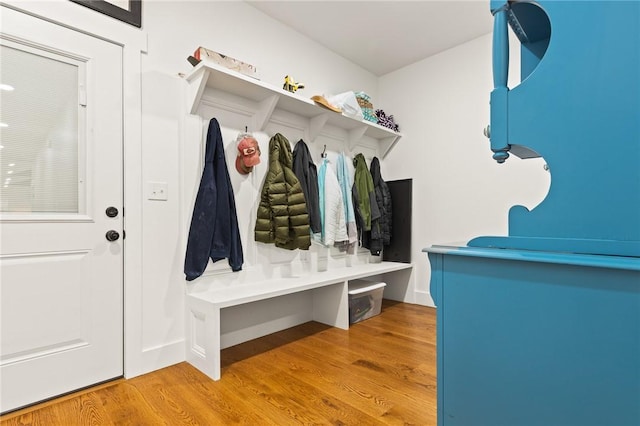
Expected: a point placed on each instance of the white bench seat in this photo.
(330, 305)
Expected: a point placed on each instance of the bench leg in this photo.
(331, 305)
(203, 341)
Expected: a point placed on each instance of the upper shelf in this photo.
(213, 76)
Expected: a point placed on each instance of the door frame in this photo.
(134, 43)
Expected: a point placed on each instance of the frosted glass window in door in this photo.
(39, 134)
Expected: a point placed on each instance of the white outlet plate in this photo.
(158, 191)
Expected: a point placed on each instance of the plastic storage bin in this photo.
(365, 299)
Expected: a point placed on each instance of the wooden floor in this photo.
(381, 371)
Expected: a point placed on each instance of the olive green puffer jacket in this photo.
(282, 213)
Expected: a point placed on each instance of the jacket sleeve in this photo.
(336, 228)
(278, 204)
(203, 219)
(355, 197)
(373, 203)
(363, 203)
(236, 256)
(307, 175)
(263, 231)
(298, 216)
(201, 229)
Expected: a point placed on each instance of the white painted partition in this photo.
(276, 288)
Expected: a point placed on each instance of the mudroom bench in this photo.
(226, 315)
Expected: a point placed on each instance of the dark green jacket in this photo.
(282, 212)
(365, 206)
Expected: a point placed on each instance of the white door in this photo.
(61, 280)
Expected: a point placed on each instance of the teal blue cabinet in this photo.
(536, 339)
(541, 327)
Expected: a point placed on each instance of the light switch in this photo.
(158, 191)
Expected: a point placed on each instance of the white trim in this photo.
(162, 356)
(81, 19)
(424, 298)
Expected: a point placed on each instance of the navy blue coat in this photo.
(214, 231)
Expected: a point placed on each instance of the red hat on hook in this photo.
(248, 155)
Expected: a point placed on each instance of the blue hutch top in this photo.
(577, 106)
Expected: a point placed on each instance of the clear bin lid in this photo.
(358, 287)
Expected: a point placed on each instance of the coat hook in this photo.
(324, 152)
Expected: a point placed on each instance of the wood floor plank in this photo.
(381, 381)
(193, 396)
(331, 377)
(386, 346)
(300, 402)
(381, 371)
(363, 392)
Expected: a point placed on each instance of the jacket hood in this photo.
(280, 151)
(359, 162)
(375, 171)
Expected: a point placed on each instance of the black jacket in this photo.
(307, 173)
(380, 227)
(214, 231)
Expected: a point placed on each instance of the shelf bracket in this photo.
(316, 124)
(263, 114)
(196, 86)
(386, 144)
(355, 135)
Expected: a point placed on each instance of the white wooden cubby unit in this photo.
(276, 289)
(330, 305)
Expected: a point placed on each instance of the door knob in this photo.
(112, 235)
(111, 211)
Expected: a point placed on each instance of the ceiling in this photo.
(383, 36)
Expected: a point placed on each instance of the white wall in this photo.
(459, 192)
(157, 126)
(441, 104)
(175, 29)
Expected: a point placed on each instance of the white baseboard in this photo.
(162, 356)
(424, 298)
